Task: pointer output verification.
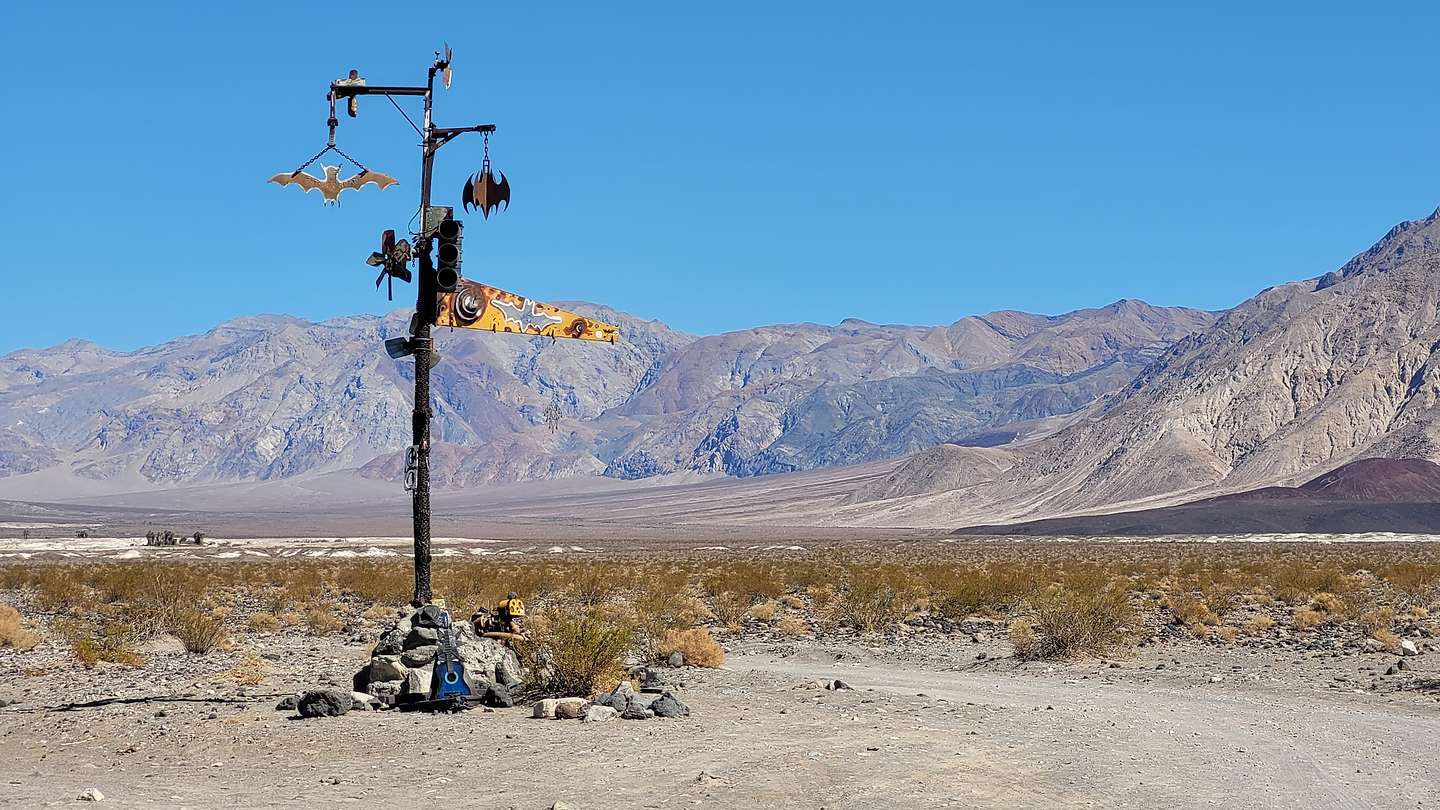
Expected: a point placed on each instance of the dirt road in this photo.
(1238, 743)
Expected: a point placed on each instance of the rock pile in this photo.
(402, 664)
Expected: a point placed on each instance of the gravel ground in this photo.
(926, 724)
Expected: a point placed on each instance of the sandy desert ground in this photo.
(935, 716)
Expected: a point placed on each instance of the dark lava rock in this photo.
(428, 616)
(391, 643)
(325, 703)
(636, 711)
(498, 695)
(421, 637)
(667, 705)
(288, 704)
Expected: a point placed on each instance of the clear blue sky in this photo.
(746, 164)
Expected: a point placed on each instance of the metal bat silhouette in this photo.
(331, 185)
(483, 192)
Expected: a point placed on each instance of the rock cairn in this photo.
(402, 664)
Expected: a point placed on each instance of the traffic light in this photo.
(447, 256)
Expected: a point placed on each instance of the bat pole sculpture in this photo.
(421, 341)
(460, 303)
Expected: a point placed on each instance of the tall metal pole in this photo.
(424, 347)
(426, 299)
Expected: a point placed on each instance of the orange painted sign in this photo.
(479, 306)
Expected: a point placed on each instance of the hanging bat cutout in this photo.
(483, 192)
(331, 186)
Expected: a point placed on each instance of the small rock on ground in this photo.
(325, 703)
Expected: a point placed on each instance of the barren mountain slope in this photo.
(273, 397)
(1297, 380)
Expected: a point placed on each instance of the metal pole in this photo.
(424, 346)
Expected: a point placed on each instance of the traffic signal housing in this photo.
(447, 255)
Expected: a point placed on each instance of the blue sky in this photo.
(714, 167)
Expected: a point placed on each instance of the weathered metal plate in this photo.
(479, 306)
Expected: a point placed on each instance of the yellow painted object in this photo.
(479, 306)
(517, 607)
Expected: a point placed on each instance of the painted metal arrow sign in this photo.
(478, 306)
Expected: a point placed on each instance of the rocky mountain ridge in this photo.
(270, 397)
(1298, 380)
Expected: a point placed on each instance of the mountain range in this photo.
(274, 397)
(1001, 418)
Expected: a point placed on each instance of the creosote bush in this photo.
(13, 633)
(575, 653)
(1088, 615)
(696, 644)
(1053, 592)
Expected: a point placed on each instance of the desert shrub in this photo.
(793, 626)
(987, 591)
(763, 612)
(1194, 613)
(388, 583)
(574, 653)
(198, 630)
(593, 583)
(1375, 620)
(91, 644)
(1297, 580)
(13, 633)
(876, 597)
(698, 646)
(321, 621)
(1388, 638)
(249, 671)
(1326, 602)
(729, 608)
(1307, 618)
(660, 611)
(1259, 625)
(1087, 616)
(263, 622)
(1226, 633)
(791, 601)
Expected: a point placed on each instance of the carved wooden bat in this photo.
(331, 185)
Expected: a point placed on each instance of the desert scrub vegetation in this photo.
(13, 633)
(1089, 614)
(575, 653)
(1061, 600)
(696, 644)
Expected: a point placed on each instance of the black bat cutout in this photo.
(484, 193)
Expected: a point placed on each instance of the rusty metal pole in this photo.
(424, 351)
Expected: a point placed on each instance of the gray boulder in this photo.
(386, 668)
(599, 714)
(419, 656)
(667, 705)
(421, 637)
(417, 683)
(636, 711)
(386, 692)
(325, 703)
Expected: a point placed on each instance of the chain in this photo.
(485, 164)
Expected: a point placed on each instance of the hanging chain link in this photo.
(485, 164)
(333, 122)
